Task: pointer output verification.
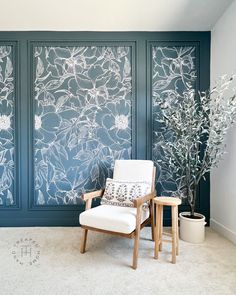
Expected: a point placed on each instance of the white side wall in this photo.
(223, 179)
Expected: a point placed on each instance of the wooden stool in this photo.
(173, 202)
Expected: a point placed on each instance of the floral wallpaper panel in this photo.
(172, 68)
(7, 98)
(82, 119)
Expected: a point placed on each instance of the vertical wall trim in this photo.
(14, 44)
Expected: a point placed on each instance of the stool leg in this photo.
(155, 219)
(173, 217)
(157, 237)
(152, 219)
(161, 228)
(177, 231)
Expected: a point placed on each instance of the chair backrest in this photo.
(134, 170)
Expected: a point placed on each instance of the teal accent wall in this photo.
(73, 102)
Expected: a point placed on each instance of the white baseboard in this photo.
(223, 230)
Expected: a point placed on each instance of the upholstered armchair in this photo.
(126, 203)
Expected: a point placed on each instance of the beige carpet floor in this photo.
(60, 269)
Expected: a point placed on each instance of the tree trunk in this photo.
(193, 201)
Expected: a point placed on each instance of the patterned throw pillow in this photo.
(123, 193)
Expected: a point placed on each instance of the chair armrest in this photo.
(138, 202)
(92, 195)
(88, 197)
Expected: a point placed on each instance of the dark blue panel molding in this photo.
(27, 208)
(9, 126)
(170, 66)
(78, 134)
(168, 44)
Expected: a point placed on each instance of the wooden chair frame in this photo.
(88, 197)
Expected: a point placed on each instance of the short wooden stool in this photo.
(174, 203)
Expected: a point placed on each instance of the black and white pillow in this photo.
(123, 193)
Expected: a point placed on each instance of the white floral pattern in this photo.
(82, 104)
(37, 122)
(172, 68)
(6, 127)
(121, 122)
(5, 122)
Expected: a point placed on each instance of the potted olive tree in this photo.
(193, 127)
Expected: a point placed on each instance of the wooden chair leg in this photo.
(173, 215)
(137, 237)
(83, 241)
(135, 253)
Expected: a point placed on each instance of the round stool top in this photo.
(168, 201)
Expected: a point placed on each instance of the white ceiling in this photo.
(111, 15)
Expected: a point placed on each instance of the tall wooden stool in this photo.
(174, 203)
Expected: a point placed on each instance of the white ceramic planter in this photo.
(192, 230)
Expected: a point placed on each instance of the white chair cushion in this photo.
(133, 170)
(112, 218)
